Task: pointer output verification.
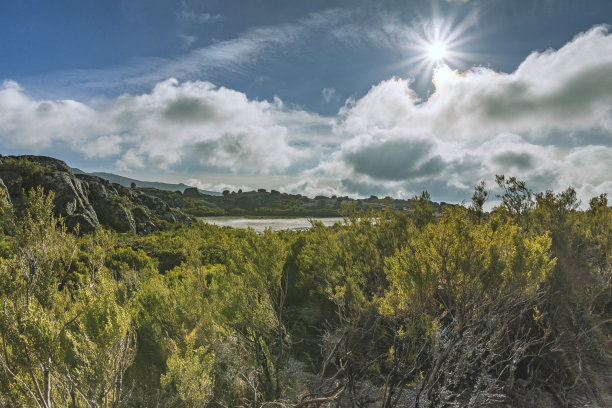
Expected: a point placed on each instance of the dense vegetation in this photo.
(262, 203)
(389, 309)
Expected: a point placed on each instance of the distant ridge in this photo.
(127, 182)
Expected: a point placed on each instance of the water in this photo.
(276, 224)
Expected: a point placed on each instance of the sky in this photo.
(357, 98)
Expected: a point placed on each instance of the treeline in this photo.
(275, 204)
(389, 309)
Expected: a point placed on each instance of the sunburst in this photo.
(436, 51)
(437, 42)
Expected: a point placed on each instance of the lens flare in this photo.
(439, 41)
(436, 51)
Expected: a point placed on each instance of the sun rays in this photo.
(438, 42)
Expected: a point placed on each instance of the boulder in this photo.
(142, 217)
(192, 192)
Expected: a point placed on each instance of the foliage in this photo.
(388, 308)
(453, 285)
(58, 345)
(31, 170)
(190, 375)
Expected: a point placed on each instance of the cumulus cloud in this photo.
(480, 123)
(37, 124)
(103, 146)
(549, 123)
(194, 124)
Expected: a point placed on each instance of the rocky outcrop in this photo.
(71, 200)
(86, 200)
(112, 210)
(129, 209)
(192, 192)
(51, 163)
(173, 198)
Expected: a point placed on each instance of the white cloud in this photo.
(37, 124)
(103, 146)
(232, 55)
(549, 123)
(191, 16)
(328, 94)
(194, 124)
(479, 123)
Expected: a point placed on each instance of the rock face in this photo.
(173, 198)
(111, 210)
(71, 200)
(86, 200)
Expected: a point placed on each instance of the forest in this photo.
(417, 308)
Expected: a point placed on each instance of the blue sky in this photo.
(330, 97)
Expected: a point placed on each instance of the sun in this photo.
(436, 51)
(439, 41)
(436, 43)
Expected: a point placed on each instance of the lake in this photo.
(260, 224)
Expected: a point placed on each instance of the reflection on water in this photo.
(260, 224)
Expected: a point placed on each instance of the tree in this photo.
(422, 210)
(58, 346)
(258, 267)
(478, 200)
(343, 270)
(516, 198)
(457, 292)
(191, 375)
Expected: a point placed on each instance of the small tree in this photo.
(516, 198)
(478, 200)
(422, 210)
(460, 294)
(57, 344)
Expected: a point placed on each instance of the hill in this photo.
(263, 203)
(84, 199)
(127, 182)
(125, 204)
